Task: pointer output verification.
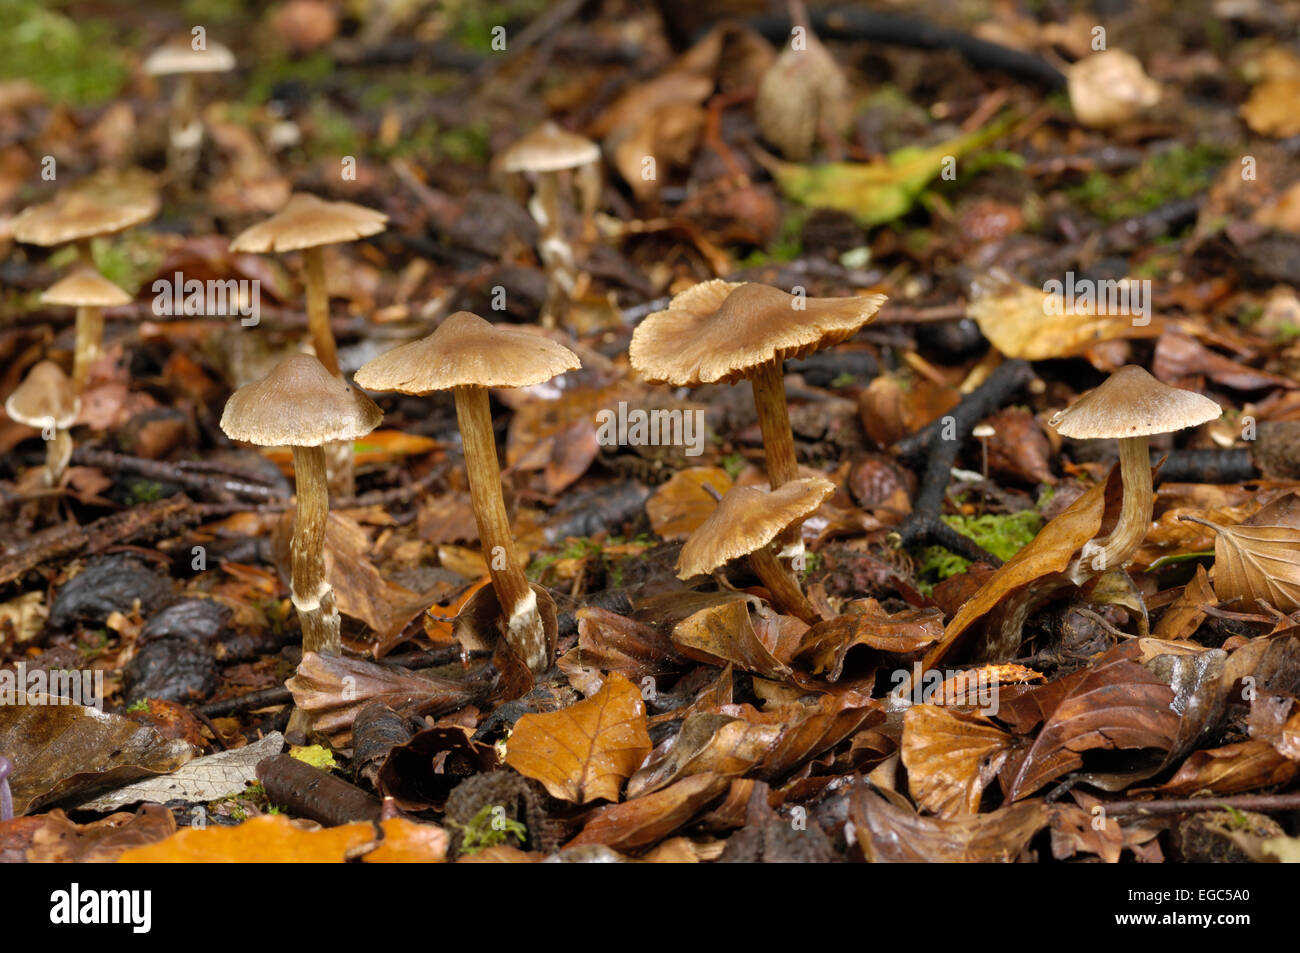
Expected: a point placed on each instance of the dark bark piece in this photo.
(108, 585)
(305, 791)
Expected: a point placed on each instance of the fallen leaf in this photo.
(827, 643)
(950, 758)
(1243, 766)
(59, 840)
(1256, 559)
(641, 822)
(724, 634)
(679, 506)
(406, 842)
(707, 743)
(271, 839)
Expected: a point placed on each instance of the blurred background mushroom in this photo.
(803, 95)
(89, 292)
(47, 401)
(185, 59)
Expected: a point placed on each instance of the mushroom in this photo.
(185, 130)
(302, 405)
(1130, 406)
(720, 331)
(89, 292)
(1109, 87)
(546, 152)
(306, 224)
(983, 433)
(467, 355)
(101, 204)
(802, 93)
(745, 522)
(47, 401)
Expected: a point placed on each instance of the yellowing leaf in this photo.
(585, 751)
(950, 758)
(1260, 558)
(273, 839)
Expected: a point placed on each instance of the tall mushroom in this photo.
(185, 128)
(89, 292)
(301, 405)
(545, 153)
(307, 224)
(46, 400)
(723, 332)
(1130, 406)
(467, 355)
(745, 523)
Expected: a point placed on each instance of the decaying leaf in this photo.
(1257, 559)
(725, 634)
(272, 839)
(679, 506)
(643, 821)
(59, 840)
(826, 644)
(707, 743)
(950, 758)
(1243, 766)
(585, 751)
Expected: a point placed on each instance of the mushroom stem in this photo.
(1135, 511)
(185, 132)
(524, 631)
(774, 421)
(786, 594)
(555, 251)
(312, 594)
(318, 310)
(90, 335)
(58, 451)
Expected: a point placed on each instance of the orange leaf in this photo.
(273, 839)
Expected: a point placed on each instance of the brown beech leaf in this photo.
(826, 644)
(615, 643)
(60, 840)
(1180, 357)
(332, 690)
(644, 821)
(898, 835)
(1117, 705)
(406, 842)
(707, 743)
(1243, 766)
(420, 773)
(679, 506)
(1019, 447)
(950, 758)
(584, 752)
(811, 728)
(1185, 614)
(724, 633)
(1260, 557)
(1076, 829)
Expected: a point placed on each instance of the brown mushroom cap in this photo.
(747, 519)
(466, 350)
(179, 56)
(1132, 403)
(548, 148)
(306, 222)
(85, 288)
(102, 204)
(299, 404)
(46, 394)
(720, 331)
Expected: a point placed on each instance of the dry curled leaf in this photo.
(950, 758)
(272, 839)
(645, 820)
(679, 506)
(724, 634)
(1257, 559)
(584, 752)
(707, 743)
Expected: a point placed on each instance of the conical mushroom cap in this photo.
(46, 394)
(85, 288)
(179, 56)
(1132, 403)
(468, 351)
(306, 222)
(548, 148)
(102, 204)
(720, 331)
(299, 404)
(746, 520)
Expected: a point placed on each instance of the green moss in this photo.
(146, 491)
(141, 705)
(77, 61)
(1175, 173)
(1002, 534)
(733, 463)
(489, 828)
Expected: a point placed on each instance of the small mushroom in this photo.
(983, 433)
(89, 292)
(185, 129)
(46, 400)
(1130, 406)
(545, 153)
(1109, 87)
(467, 355)
(307, 224)
(745, 522)
(722, 332)
(301, 405)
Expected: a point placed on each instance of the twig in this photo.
(263, 698)
(1240, 802)
(220, 486)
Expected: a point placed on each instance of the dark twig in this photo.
(1206, 466)
(1240, 802)
(217, 485)
(263, 698)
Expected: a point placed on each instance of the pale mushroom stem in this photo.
(313, 597)
(1135, 509)
(554, 248)
(58, 451)
(518, 602)
(339, 466)
(768, 382)
(185, 133)
(786, 594)
(90, 336)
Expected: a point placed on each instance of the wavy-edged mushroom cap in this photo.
(101, 204)
(719, 331)
(85, 288)
(747, 519)
(46, 394)
(1132, 403)
(179, 56)
(299, 404)
(306, 222)
(548, 148)
(465, 351)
